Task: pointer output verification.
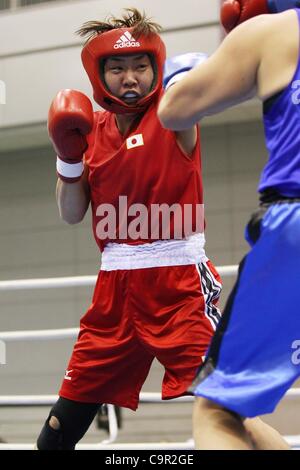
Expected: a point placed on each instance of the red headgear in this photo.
(121, 42)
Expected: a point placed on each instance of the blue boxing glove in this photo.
(277, 6)
(178, 66)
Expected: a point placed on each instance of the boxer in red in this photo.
(156, 292)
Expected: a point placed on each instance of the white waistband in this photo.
(150, 255)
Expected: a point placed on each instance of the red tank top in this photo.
(145, 167)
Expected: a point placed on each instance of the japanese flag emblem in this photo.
(134, 141)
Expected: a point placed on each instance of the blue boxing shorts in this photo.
(254, 357)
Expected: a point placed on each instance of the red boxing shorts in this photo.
(167, 312)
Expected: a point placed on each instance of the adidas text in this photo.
(127, 44)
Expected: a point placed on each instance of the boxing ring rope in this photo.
(67, 333)
(76, 281)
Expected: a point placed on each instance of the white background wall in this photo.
(40, 54)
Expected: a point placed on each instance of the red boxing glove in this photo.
(234, 12)
(70, 119)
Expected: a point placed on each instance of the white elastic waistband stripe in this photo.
(69, 170)
(159, 253)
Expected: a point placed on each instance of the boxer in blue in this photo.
(253, 359)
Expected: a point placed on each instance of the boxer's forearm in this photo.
(72, 200)
(227, 78)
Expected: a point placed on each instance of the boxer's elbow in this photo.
(72, 212)
(70, 217)
(165, 112)
(170, 113)
(71, 220)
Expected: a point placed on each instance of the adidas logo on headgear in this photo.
(126, 40)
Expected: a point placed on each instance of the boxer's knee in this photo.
(207, 411)
(66, 424)
(50, 437)
(54, 423)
